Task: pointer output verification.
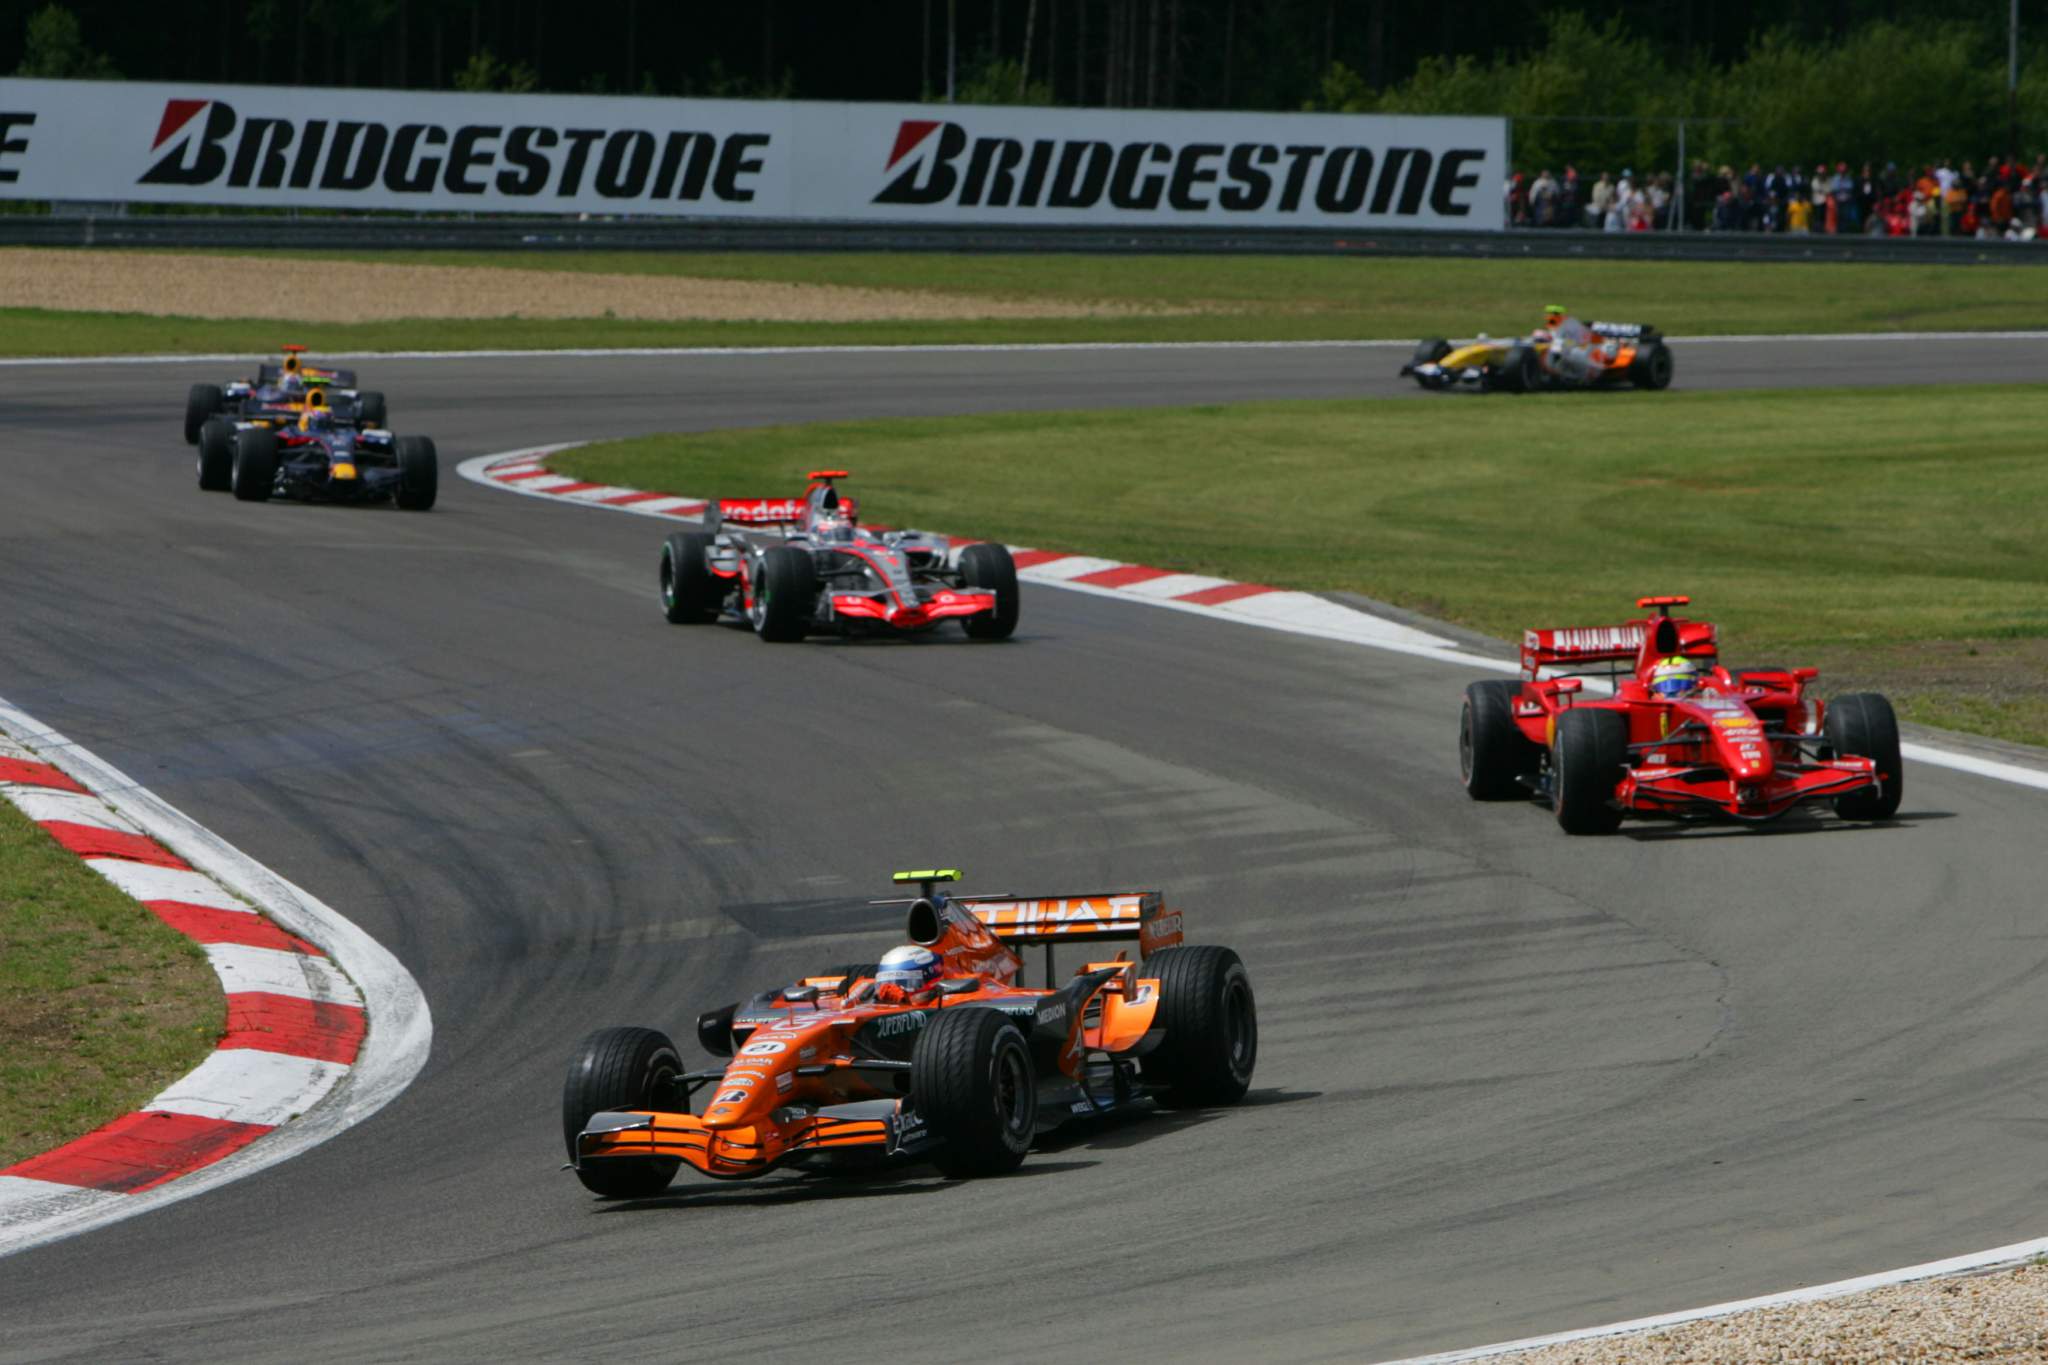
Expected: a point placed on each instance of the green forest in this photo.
(1601, 81)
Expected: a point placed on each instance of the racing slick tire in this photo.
(690, 592)
(973, 1084)
(1586, 761)
(216, 455)
(1211, 1022)
(1429, 350)
(1861, 725)
(988, 565)
(786, 596)
(1493, 753)
(201, 402)
(1651, 369)
(1521, 371)
(419, 473)
(621, 1068)
(254, 474)
(370, 408)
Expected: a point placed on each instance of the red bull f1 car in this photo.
(279, 392)
(791, 567)
(939, 1052)
(1562, 354)
(319, 456)
(1680, 736)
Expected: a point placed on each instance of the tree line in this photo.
(1587, 82)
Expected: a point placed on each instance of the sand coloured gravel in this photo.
(2000, 1317)
(174, 284)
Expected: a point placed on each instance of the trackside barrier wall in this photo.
(301, 147)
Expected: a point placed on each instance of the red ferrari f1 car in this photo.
(790, 567)
(1681, 736)
(939, 1051)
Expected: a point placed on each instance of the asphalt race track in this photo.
(1509, 1082)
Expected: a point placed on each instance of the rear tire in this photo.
(202, 401)
(621, 1068)
(254, 476)
(972, 1081)
(370, 409)
(1586, 761)
(1652, 369)
(1493, 753)
(690, 592)
(1211, 1021)
(989, 566)
(786, 596)
(1862, 725)
(217, 455)
(419, 473)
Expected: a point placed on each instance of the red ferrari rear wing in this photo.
(1573, 647)
(1111, 916)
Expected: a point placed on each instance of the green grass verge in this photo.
(101, 1004)
(1243, 298)
(1890, 537)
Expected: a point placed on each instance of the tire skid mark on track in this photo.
(1306, 614)
(1296, 613)
(299, 1032)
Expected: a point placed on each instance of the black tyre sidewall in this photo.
(788, 594)
(1209, 1049)
(216, 459)
(1493, 754)
(954, 1070)
(202, 401)
(689, 592)
(990, 566)
(1862, 725)
(255, 465)
(618, 1068)
(419, 473)
(1586, 761)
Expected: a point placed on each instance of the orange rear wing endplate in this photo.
(1095, 916)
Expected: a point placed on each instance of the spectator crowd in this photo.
(2004, 200)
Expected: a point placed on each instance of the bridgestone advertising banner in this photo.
(283, 146)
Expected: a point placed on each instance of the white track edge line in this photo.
(472, 469)
(975, 348)
(2015, 1254)
(2014, 773)
(400, 1024)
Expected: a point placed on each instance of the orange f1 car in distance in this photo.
(1681, 736)
(939, 1051)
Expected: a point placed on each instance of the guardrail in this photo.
(669, 234)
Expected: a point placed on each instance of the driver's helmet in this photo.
(831, 526)
(292, 382)
(1540, 335)
(317, 416)
(906, 973)
(1675, 677)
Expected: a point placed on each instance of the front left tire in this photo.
(973, 1083)
(990, 566)
(621, 1068)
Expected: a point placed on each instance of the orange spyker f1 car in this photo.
(938, 1052)
(1681, 736)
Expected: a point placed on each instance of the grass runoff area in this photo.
(1890, 537)
(101, 1004)
(1218, 298)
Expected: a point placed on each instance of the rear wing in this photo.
(754, 511)
(1626, 331)
(1574, 647)
(1096, 916)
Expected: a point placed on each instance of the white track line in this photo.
(979, 348)
(33, 1212)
